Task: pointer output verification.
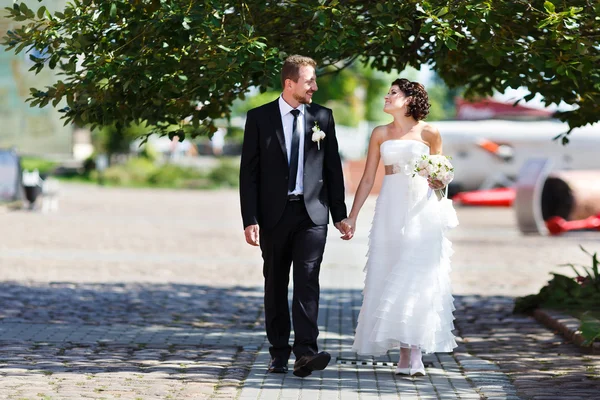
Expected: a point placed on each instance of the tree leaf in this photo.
(41, 11)
(136, 52)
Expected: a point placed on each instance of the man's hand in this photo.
(251, 233)
(346, 228)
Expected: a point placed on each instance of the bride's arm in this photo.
(368, 177)
(433, 138)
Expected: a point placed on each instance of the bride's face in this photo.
(395, 100)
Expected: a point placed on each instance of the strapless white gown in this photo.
(407, 297)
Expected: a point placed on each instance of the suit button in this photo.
(286, 178)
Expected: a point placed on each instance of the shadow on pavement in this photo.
(493, 340)
(137, 304)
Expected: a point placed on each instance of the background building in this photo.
(30, 130)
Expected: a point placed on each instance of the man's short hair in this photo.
(291, 67)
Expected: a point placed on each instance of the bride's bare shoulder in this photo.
(430, 133)
(379, 133)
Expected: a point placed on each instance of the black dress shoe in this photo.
(277, 366)
(305, 365)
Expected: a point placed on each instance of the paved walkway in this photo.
(153, 294)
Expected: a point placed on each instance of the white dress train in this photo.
(407, 299)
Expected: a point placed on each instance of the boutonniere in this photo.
(317, 135)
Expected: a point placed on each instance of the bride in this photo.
(407, 301)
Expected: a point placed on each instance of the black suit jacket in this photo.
(264, 168)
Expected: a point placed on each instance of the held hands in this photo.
(347, 227)
(251, 233)
(343, 230)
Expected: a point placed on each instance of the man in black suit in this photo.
(290, 179)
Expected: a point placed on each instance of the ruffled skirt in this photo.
(407, 298)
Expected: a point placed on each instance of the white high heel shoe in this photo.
(418, 371)
(402, 371)
(410, 371)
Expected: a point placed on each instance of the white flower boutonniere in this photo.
(317, 135)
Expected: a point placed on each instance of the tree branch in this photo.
(339, 69)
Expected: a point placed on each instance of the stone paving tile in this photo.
(536, 361)
(154, 294)
(75, 371)
(351, 377)
(131, 303)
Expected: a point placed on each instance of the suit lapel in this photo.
(278, 124)
(309, 122)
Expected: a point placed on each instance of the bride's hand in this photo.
(435, 184)
(348, 227)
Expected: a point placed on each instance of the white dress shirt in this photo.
(287, 120)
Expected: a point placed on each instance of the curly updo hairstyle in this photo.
(418, 108)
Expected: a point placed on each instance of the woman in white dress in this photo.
(407, 300)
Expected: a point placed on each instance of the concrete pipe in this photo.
(571, 195)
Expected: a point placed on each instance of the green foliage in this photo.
(170, 175)
(377, 84)
(142, 172)
(150, 153)
(116, 139)
(563, 292)
(166, 61)
(590, 328)
(242, 106)
(591, 275)
(42, 165)
(235, 134)
(338, 91)
(226, 174)
(560, 292)
(355, 94)
(442, 101)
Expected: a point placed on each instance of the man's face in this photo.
(307, 84)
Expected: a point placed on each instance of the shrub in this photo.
(225, 174)
(43, 166)
(135, 171)
(139, 169)
(581, 293)
(170, 175)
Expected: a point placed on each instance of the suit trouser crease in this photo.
(295, 239)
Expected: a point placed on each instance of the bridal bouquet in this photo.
(435, 167)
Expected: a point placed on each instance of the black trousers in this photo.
(295, 239)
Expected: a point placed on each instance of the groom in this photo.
(290, 179)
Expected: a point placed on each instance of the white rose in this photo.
(317, 135)
(422, 164)
(447, 177)
(437, 159)
(430, 169)
(423, 173)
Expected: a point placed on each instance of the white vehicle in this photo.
(490, 153)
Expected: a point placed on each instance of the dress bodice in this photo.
(402, 154)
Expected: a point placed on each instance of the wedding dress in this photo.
(407, 298)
